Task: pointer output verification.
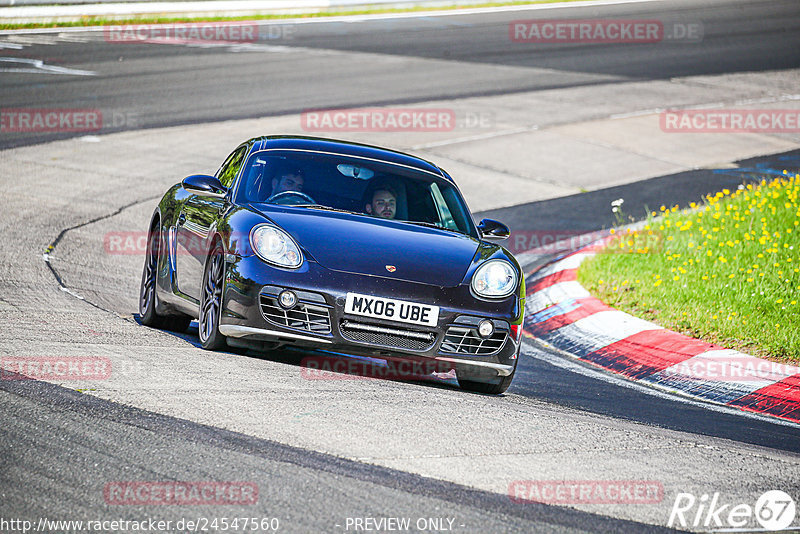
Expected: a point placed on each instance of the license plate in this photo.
(391, 309)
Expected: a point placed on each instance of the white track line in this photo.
(38, 66)
(188, 6)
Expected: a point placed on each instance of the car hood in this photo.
(371, 246)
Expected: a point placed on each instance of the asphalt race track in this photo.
(556, 132)
(307, 66)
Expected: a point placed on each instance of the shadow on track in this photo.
(327, 365)
(586, 212)
(541, 380)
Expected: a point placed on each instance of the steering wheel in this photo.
(289, 194)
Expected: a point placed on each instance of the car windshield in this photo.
(355, 185)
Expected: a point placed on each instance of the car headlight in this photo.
(494, 279)
(275, 246)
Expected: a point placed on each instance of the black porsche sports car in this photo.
(336, 246)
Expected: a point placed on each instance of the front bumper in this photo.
(251, 311)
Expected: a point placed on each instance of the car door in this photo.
(195, 222)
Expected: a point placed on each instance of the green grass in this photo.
(727, 271)
(151, 19)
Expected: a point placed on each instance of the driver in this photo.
(383, 203)
(288, 181)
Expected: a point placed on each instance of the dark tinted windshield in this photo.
(362, 186)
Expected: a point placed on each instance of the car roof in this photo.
(319, 144)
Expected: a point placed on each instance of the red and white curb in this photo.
(560, 312)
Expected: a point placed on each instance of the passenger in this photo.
(384, 203)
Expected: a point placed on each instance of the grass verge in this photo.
(170, 19)
(727, 271)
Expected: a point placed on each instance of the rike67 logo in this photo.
(774, 510)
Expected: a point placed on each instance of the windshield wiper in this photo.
(326, 208)
(433, 225)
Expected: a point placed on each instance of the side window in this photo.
(227, 173)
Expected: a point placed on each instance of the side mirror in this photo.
(493, 229)
(208, 186)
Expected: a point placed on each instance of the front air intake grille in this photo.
(399, 338)
(307, 317)
(462, 340)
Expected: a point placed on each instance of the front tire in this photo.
(147, 290)
(211, 300)
(477, 381)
